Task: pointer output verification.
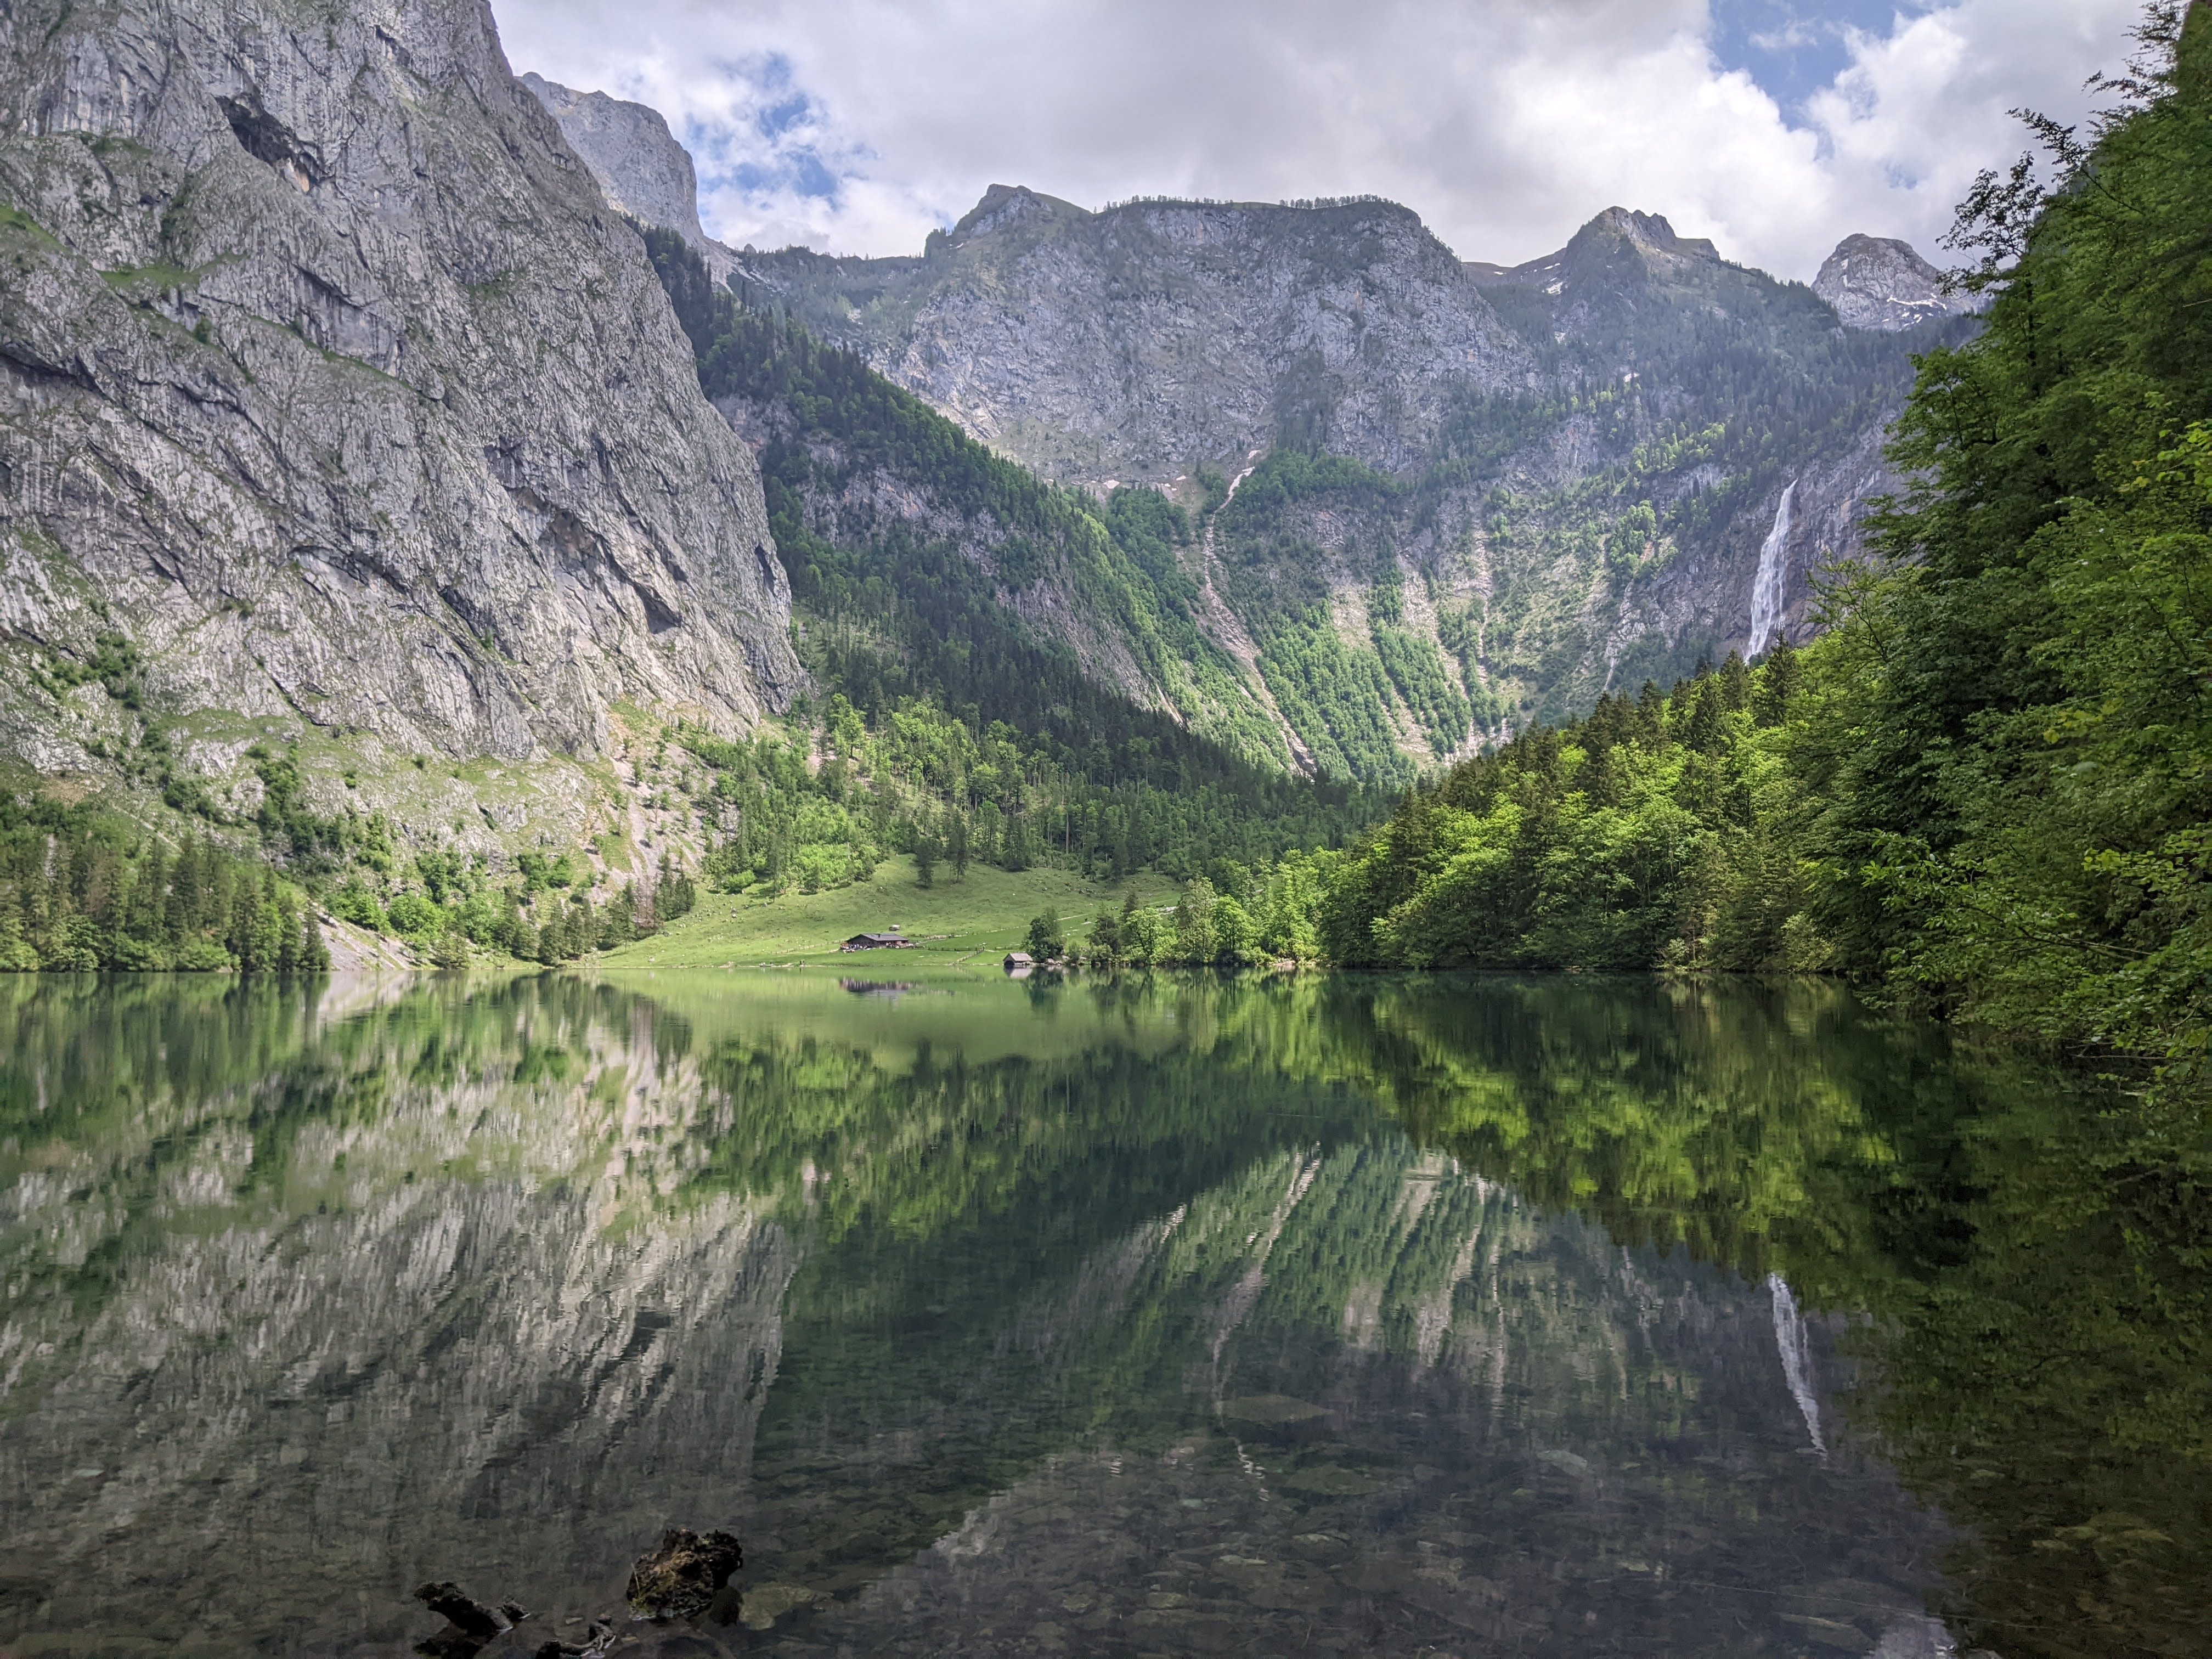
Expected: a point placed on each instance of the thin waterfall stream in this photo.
(1773, 566)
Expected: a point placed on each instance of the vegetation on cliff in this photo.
(949, 729)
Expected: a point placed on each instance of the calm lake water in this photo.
(1561, 1315)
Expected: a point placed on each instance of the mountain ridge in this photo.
(1588, 450)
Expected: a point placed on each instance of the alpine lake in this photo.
(1279, 1315)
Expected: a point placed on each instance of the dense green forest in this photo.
(78, 896)
(1987, 785)
(949, 731)
(83, 888)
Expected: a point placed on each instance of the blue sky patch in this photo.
(775, 142)
(1794, 48)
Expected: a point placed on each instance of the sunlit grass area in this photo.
(980, 918)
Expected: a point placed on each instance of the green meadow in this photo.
(976, 921)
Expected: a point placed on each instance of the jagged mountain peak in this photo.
(636, 162)
(640, 168)
(1650, 232)
(1618, 235)
(1007, 205)
(1882, 283)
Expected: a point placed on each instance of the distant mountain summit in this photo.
(1598, 251)
(1006, 204)
(1879, 282)
(1135, 341)
(635, 162)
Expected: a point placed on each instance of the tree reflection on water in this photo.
(1466, 1306)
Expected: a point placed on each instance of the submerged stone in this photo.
(469, 1624)
(686, 1576)
(769, 1603)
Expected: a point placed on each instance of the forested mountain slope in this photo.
(1483, 496)
(361, 507)
(1012, 668)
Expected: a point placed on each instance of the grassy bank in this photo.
(980, 918)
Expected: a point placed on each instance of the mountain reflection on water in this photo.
(1173, 1315)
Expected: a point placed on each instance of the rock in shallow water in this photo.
(469, 1624)
(686, 1576)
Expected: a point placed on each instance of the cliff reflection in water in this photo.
(1168, 1314)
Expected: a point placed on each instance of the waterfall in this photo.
(1767, 587)
(1792, 1342)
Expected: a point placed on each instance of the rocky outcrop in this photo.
(1131, 343)
(1618, 237)
(328, 378)
(685, 1576)
(1879, 282)
(635, 161)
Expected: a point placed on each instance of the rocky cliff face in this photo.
(1134, 343)
(1879, 282)
(635, 162)
(1571, 465)
(329, 381)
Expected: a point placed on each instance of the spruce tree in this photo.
(1775, 684)
(1735, 684)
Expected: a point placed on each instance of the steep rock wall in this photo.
(327, 377)
(1130, 343)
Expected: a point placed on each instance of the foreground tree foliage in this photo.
(1987, 784)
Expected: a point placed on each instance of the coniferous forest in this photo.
(1987, 784)
(76, 896)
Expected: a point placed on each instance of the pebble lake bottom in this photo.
(1316, 1316)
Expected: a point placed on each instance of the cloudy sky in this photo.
(1774, 126)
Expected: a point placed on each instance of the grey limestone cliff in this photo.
(1132, 342)
(634, 159)
(1577, 460)
(329, 381)
(1879, 282)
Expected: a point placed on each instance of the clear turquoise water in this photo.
(1353, 1315)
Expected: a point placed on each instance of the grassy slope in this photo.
(982, 917)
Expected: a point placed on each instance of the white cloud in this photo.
(856, 126)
